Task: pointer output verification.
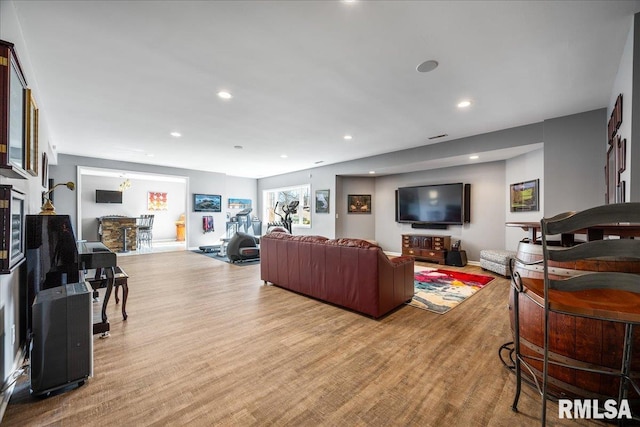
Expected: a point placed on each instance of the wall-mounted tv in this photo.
(432, 204)
(108, 196)
(207, 203)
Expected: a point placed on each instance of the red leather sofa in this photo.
(351, 273)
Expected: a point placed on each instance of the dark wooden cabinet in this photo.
(429, 248)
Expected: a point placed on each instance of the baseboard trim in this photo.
(5, 396)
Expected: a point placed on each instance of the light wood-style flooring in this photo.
(206, 343)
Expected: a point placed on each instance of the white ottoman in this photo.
(496, 260)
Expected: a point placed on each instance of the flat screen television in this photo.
(207, 203)
(108, 196)
(431, 204)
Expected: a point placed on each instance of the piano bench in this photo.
(120, 278)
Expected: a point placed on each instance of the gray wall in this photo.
(356, 225)
(634, 155)
(574, 162)
(486, 229)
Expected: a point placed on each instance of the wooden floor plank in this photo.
(206, 343)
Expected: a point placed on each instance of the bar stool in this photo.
(144, 233)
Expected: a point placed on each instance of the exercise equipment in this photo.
(288, 210)
(243, 246)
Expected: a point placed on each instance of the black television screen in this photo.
(435, 204)
(207, 203)
(108, 196)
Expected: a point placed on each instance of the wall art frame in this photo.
(12, 113)
(611, 176)
(359, 203)
(207, 202)
(12, 204)
(524, 196)
(31, 133)
(322, 201)
(157, 201)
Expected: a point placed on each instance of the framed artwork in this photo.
(207, 203)
(157, 201)
(235, 203)
(524, 196)
(611, 174)
(45, 170)
(31, 133)
(11, 227)
(359, 203)
(622, 155)
(322, 201)
(621, 192)
(13, 107)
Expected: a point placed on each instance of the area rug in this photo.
(215, 255)
(441, 290)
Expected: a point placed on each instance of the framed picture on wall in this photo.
(11, 227)
(523, 196)
(31, 133)
(359, 203)
(207, 203)
(322, 201)
(611, 175)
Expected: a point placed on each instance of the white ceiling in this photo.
(116, 77)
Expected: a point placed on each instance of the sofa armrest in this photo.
(395, 277)
(395, 261)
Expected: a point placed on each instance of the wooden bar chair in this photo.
(596, 279)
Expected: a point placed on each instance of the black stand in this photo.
(456, 258)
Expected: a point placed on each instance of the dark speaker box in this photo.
(456, 258)
(62, 342)
(467, 203)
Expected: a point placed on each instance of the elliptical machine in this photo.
(286, 220)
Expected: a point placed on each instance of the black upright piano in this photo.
(55, 258)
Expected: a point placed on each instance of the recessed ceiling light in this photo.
(224, 94)
(238, 147)
(150, 155)
(464, 104)
(427, 66)
(348, 137)
(474, 157)
(372, 172)
(318, 162)
(176, 134)
(284, 156)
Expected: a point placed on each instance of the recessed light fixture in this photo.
(427, 66)
(464, 104)
(224, 94)
(284, 156)
(348, 137)
(176, 134)
(150, 155)
(318, 162)
(238, 147)
(372, 172)
(474, 157)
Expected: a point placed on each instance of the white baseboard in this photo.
(5, 396)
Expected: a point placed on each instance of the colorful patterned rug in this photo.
(441, 290)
